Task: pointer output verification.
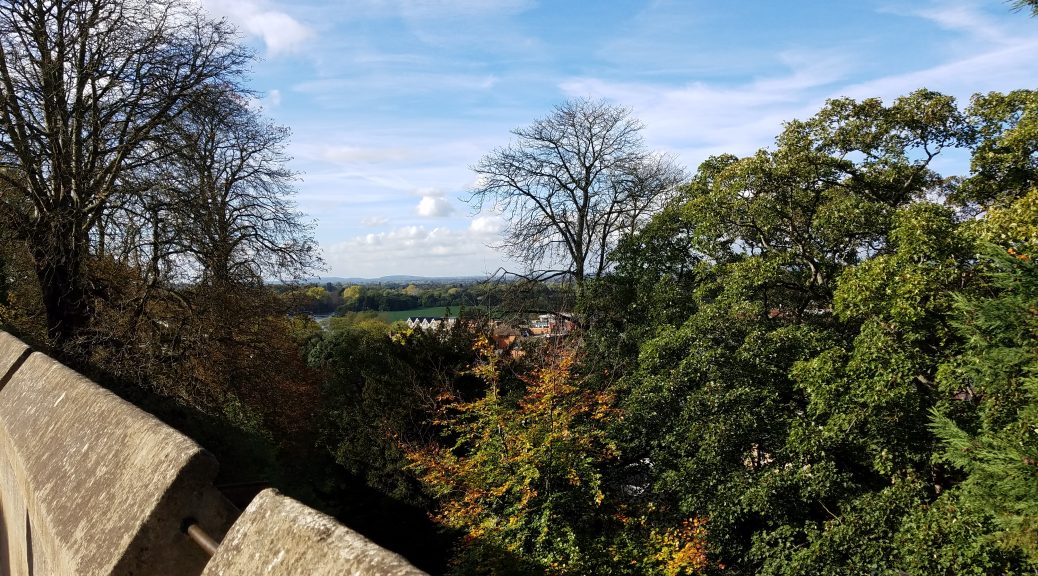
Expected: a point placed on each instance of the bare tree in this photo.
(570, 185)
(229, 197)
(87, 88)
(194, 235)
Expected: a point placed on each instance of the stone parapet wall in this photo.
(92, 485)
(277, 535)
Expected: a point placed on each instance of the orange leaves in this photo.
(518, 471)
(1019, 255)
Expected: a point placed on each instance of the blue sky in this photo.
(392, 101)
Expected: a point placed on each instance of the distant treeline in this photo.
(330, 298)
(390, 298)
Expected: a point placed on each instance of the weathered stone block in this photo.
(279, 536)
(91, 485)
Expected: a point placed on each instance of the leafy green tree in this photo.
(995, 443)
(796, 390)
(1003, 164)
(861, 452)
(381, 389)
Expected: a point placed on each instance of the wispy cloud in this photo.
(445, 9)
(998, 69)
(700, 119)
(374, 221)
(375, 85)
(962, 16)
(273, 99)
(348, 155)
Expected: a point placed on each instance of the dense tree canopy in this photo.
(790, 403)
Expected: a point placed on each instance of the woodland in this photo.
(821, 358)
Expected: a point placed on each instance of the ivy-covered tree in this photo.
(87, 89)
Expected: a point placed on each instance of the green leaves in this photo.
(998, 371)
(1004, 164)
(792, 405)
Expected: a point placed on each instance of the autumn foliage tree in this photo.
(519, 471)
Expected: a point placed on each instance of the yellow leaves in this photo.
(351, 293)
(499, 491)
(400, 337)
(487, 368)
(573, 477)
(484, 347)
(1014, 225)
(315, 293)
(681, 550)
(517, 461)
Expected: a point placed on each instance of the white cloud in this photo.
(418, 250)
(433, 204)
(280, 32)
(471, 23)
(487, 225)
(964, 17)
(699, 119)
(448, 10)
(330, 89)
(454, 8)
(273, 99)
(995, 70)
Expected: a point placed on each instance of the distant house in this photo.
(504, 336)
(506, 339)
(547, 325)
(429, 322)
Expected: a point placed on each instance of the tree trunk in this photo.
(59, 259)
